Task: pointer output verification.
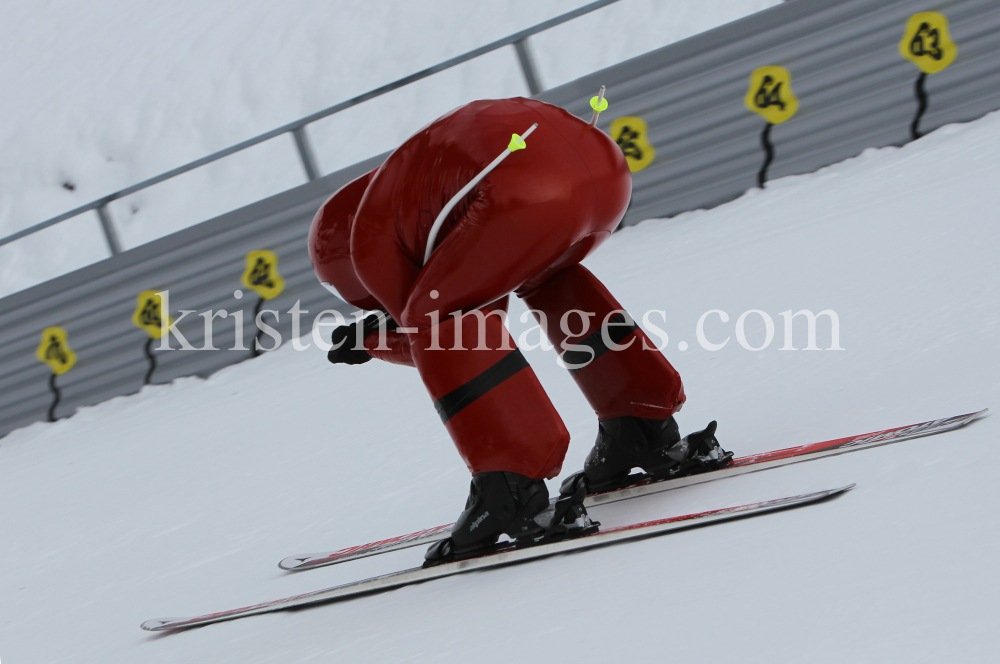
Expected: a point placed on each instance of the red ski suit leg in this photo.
(542, 210)
(631, 377)
(488, 397)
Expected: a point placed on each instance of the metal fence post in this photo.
(528, 66)
(110, 234)
(306, 153)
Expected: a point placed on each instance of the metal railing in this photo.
(519, 40)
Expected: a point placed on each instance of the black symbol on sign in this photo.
(925, 34)
(769, 96)
(626, 141)
(54, 351)
(261, 274)
(150, 314)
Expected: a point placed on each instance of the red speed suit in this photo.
(523, 229)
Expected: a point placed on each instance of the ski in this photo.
(507, 554)
(642, 485)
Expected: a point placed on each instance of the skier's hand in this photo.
(346, 349)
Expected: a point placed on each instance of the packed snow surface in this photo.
(181, 500)
(100, 95)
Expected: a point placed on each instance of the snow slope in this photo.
(182, 499)
(101, 95)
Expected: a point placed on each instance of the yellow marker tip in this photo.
(516, 143)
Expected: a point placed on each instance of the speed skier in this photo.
(522, 229)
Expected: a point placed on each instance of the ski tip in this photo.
(970, 417)
(828, 493)
(836, 492)
(309, 560)
(292, 563)
(811, 498)
(161, 624)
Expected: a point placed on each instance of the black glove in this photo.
(345, 338)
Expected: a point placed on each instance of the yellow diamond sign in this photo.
(770, 94)
(926, 42)
(149, 314)
(261, 274)
(632, 136)
(55, 351)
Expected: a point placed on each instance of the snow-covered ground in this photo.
(100, 95)
(181, 500)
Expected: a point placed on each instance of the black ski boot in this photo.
(655, 446)
(499, 503)
(502, 503)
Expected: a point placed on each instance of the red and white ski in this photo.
(502, 557)
(645, 486)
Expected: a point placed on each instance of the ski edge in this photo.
(304, 562)
(501, 559)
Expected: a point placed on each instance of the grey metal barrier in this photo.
(855, 91)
